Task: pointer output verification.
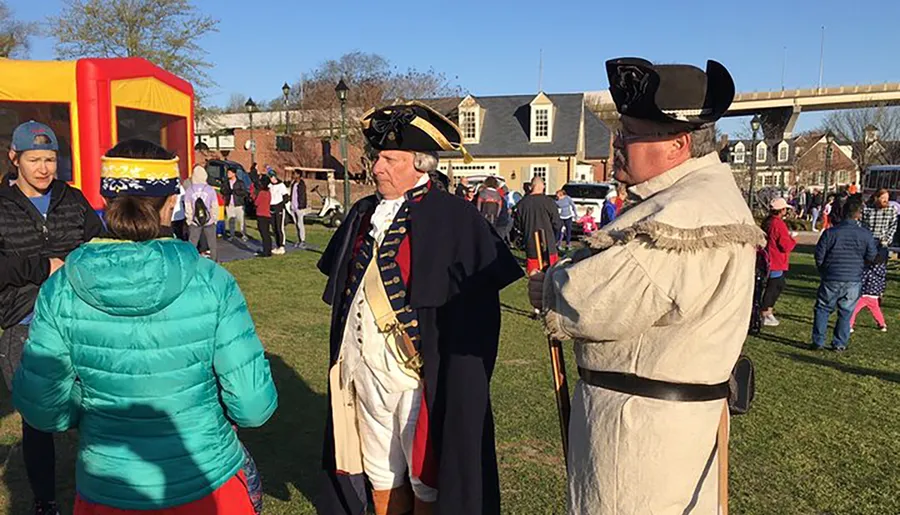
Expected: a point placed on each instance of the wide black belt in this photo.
(643, 387)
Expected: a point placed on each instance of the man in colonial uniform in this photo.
(659, 308)
(414, 276)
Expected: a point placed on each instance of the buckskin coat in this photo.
(456, 265)
(666, 295)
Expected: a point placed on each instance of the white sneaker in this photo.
(279, 251)
(852, 330)
(771, 321)
(883, 329)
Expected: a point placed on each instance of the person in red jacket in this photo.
(262, 199)
(779, 244)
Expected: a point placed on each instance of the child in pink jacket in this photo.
(588, 224)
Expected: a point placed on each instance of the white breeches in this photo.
(387, 428)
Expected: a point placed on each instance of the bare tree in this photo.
(164, 32)
(14, 35)
(236, 103)
(372, 82)
(417, 84)
(855, 128)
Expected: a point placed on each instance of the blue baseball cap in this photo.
(26, 135)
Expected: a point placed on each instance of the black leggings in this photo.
(278, 225)
(39, 453)
(265, 234)
(774, 287)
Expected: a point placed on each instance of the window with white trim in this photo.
(761, 153)
(739, 151)
(783, 152)
(539, 171)
(542, 123)
(468, 123)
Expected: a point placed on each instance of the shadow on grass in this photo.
(807, 292)
(884, 375)
(288, 448)
(774, 338)
(796, 318)
(516, 311)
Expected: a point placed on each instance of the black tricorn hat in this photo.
(670, 93)
(412, 126)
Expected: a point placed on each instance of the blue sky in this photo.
(492, 47)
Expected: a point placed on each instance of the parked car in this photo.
(588, 194)
(217, 170)
(475, 181)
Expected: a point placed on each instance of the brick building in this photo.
(278, 150)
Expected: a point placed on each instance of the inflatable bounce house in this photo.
(92, 104)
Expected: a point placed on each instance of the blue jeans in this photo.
(842, 295)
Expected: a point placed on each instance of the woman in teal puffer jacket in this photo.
(150, 351)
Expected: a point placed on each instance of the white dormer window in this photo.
(761, 152)
(541, 119)
(542, 123)
(470, 118)
(468, 123)
(739, 151)
(783, 152)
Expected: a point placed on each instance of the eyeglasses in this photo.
(622, 138)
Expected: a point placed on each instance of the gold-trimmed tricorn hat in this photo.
(412, 126)
(678, 94)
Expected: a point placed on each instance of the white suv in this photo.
(588, 194)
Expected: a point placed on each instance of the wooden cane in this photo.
(558, 369)
(722, 446)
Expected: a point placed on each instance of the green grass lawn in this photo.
(823, 436)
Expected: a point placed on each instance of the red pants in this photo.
(867, 301)
(229, 499)
(531, 265)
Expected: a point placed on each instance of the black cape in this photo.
(459, 265)
(538, 213)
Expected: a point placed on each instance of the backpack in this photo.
(490, 207)
(201, 213)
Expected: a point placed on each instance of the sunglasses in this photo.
(624, 138)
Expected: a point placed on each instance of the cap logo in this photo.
(394, 124)
(632, 82)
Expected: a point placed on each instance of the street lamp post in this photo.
(251, 106)
(754, 126)
(341, 89)
(829, 139)
(286, 89)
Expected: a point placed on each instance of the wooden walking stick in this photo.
(722, 445)
(558, 369)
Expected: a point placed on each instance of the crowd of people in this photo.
(196, 214)
(658, 303)
(515, 220)
(851, 257)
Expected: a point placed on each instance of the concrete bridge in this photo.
(779, 110)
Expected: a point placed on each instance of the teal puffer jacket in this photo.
(151, 353)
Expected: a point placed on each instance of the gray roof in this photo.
(596, 136)
(506, 127)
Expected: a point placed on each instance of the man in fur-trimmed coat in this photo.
(659, 308)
